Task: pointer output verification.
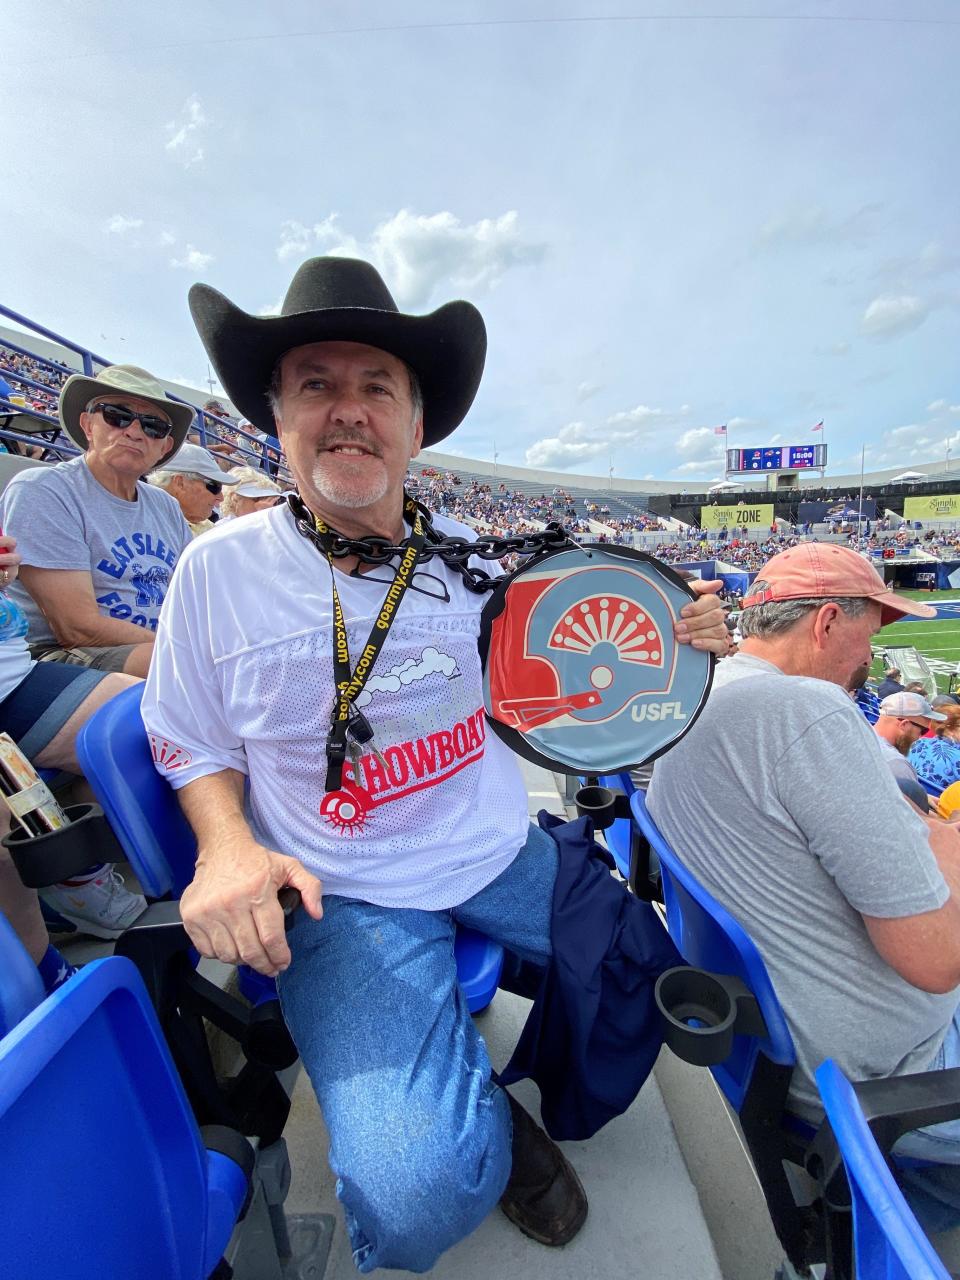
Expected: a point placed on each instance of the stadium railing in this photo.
(254, 451)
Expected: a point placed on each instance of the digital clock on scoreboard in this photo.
(787, 457)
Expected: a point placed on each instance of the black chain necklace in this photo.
(454, 552)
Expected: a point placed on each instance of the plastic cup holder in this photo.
(59, 855)
(598, 803)
(700, 1012)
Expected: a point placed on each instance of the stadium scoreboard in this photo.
(780, 457)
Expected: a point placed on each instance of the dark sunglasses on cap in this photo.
(116, 415)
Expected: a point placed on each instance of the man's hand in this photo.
(231, 911)
(703, 622)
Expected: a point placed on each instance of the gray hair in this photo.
(777, 616)
(162, 478)
(276, 379)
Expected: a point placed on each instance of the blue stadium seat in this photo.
(104, 1172)
(737, 1028)
(157, 839)
(21, 988)
(887, 1243)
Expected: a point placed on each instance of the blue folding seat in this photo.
(723, 1013)
(142, 809)
(104, 1174)
(872, 1231)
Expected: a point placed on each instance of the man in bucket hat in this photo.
(852, 898)
(413, 817)
(98, 545)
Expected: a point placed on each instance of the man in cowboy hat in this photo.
(98, 545)
(425, 827)
(851, 897)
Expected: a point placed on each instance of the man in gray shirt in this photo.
(98, 546)
(851, 897)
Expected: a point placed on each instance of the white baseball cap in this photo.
(193, 460)
(907, 705)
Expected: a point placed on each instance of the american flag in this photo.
(721, 431)
(818, 427)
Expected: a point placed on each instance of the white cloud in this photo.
(192, 260)
(887, 317)
(585, 390)
(183, 134)
(119, 224)
(166, 239)
(298, 240)
(701, 449)
(571, 444)
(623, 431)
(814, 225)
(942, 406)
(416, 253)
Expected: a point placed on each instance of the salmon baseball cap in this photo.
(824, 571)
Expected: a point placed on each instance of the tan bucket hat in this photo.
(79, 390)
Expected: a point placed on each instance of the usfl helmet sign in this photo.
(581, 669)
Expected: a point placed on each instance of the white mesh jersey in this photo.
(242, 678)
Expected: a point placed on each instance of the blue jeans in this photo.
(419, 1134)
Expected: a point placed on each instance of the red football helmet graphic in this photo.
(581, 665)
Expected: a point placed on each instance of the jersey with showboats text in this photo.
(242, 679)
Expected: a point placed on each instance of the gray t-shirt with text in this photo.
(63, 518)
(781, 803)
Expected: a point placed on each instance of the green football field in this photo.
(939, 638)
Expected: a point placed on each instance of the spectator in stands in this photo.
(890, 683)
(251, 491)
(195, 480)
(903, 719)
(99, 546)
(936, 759)
(43, 707)
(851, 897)
(420, 1135)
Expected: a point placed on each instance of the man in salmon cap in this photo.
(851, 897)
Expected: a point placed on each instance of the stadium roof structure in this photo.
(924, 471)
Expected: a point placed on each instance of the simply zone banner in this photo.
(943, 506)
(755, 517)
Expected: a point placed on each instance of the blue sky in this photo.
(732, 212)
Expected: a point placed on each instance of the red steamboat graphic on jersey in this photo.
(571, 648)
(167, 754)
(407, 767)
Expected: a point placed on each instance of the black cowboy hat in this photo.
(344, 300)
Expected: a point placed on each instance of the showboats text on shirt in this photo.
(404, 769)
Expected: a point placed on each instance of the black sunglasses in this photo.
(213, 486)
(922, 727)
(115, 415)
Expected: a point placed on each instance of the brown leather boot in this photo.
(544, 1196)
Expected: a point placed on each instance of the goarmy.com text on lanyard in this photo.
(345, 718)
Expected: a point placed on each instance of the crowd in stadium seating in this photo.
(502, 510)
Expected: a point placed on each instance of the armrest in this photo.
(891, 1107)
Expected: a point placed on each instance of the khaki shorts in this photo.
(111, 658)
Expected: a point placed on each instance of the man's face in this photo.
(909, 730)
(347, 424)
(127, 451)
(196, 500)
(846, 655)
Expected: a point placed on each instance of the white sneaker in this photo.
(103, 907)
